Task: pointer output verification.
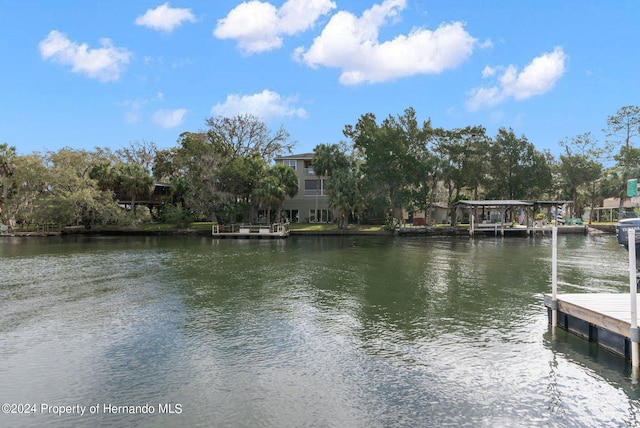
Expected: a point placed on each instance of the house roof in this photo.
(508, 203)
(304, 156)
(494, 203)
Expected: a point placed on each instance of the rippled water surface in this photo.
(309, 331)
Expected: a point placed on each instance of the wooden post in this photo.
(554, 277)
(635, 359)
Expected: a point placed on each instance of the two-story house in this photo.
(311, 204)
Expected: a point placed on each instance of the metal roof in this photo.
(494, 203)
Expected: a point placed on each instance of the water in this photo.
(309, 331)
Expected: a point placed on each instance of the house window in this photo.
(292, 163)
(314, 187)
(292, 215)
(319, 216)
(308, 168)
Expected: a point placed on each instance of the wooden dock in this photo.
(497, 229)
(249, 231)
(603, 318)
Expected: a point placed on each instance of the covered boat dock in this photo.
(513, 217)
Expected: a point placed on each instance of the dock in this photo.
(250, 231)
(496, 229)
(608, 319)
(602, 318)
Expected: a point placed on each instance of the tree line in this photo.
(226, 172)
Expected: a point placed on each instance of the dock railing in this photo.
(248, 229)
(634, 331)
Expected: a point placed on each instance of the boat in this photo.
(622, 234)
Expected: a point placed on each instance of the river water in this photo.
(308, 331)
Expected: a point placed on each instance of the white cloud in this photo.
(169, 118)
(134, 107)
(487, 44)
(132, 114)
(259, 26)
(165, 18)
(105, 63)
(266, 105)
(537, 78)
(489, 71)
(351, 44)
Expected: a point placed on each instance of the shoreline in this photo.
(402, 232)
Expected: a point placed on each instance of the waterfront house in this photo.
(311, 203)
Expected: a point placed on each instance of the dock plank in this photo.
(611, 311)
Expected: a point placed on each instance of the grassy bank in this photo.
(204, 228)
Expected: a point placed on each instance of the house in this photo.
(311, 204)
(439, 214)
(613, 209)
(160, 194)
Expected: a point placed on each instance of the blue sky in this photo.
(82, 74)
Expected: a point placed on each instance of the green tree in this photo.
(72, 196)
(105, 175)
(463, 157)
(244, 134)
(345, 191)
(216, 171)
(237, 178)
(26, 187)
(141, 153)
(279, 182)
(134, 181)
(327, 158)
(578, 169)
(7, 158)
(391, 162)
(623, 127)
(194, 166)
(517, 170)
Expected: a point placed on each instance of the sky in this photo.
(85, 74)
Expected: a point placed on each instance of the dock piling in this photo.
(633, 289)
(554, 277)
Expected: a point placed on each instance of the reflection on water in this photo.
(309, 331)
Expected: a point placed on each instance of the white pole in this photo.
(554, 277)
(472, 224)
(635, 360)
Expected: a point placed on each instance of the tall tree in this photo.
(134, 181)
(463, 155)
(579, 167)
(72, 196)
(7, 157)
(517, 169)
(624, 126)
(326, 159)
(279, 182)
(141, 153)
(26, 186)
(391, 160)
(195, 165)
(345, 191)
(244, 134)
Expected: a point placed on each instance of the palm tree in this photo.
(288, 180)
(279, 182)
(134, 181)
(326, 159)
(269, 192)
